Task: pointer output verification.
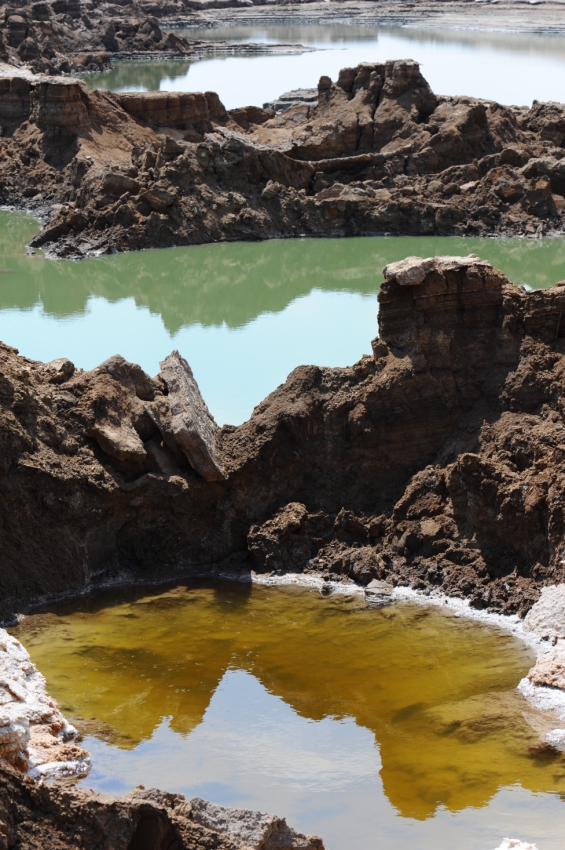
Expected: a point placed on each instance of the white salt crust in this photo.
(30, 718)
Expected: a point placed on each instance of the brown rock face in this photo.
(436, 462)
(379, 153)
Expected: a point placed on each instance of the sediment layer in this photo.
(435, 463)
(380, 153)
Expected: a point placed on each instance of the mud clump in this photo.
(436, 462)
(379, 153)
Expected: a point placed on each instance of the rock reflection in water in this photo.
(242, 691)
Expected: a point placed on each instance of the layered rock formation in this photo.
(35, 817)
(379, 153)
(435, 462)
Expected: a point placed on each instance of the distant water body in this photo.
(510, 68)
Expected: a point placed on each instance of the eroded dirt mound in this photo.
(36, 817)
(435, 462)
(380, 152)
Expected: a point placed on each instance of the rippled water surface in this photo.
(391, 728)
(507, 67)
(243, 314)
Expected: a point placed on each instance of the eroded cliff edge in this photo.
(378, 153)
(435, 462)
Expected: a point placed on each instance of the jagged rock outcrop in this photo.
(34, 817)
(61, 36)
(435, 462)
(379, 153)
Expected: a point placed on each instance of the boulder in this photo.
(547, 617)
(550, 669)
(193, 427)
(116, 184)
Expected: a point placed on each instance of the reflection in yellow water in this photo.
(437, 692)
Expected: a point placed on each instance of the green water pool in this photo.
(244, 314)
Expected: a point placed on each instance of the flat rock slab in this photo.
(379, 593)
(193, 426)
(413, 270)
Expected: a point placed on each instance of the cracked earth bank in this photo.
(379, 153)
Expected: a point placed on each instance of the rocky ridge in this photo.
(380, 153)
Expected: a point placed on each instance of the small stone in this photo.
(59, 370)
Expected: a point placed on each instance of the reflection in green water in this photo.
(243, 314)
(233, 283)
(502, 66)
(137, 76)
(243, 674)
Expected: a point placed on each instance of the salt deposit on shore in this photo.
(34, 735)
